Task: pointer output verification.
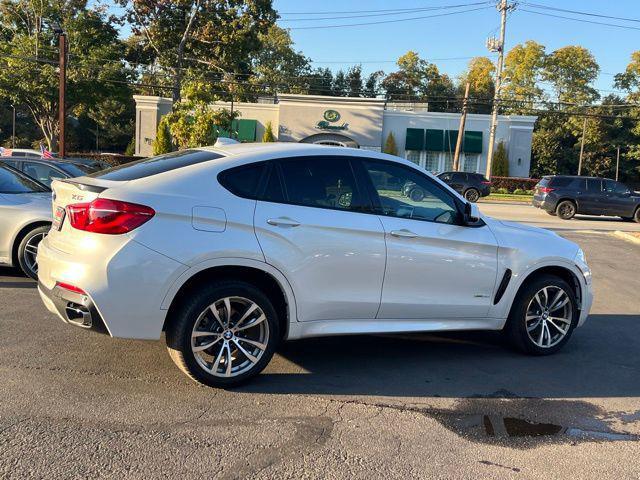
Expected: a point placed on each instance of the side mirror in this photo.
(471, 213)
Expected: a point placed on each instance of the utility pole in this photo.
(463, 120)
(584, 129)
(62, 84)
(617, 162)
(13, 130)
(497, 46)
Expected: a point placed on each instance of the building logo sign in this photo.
(330, 118)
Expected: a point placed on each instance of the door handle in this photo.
(404, 233)
(283, 222)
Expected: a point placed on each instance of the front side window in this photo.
(594, 185)
(612, 186)
(42, 173)
(419, 199)
(324, 182)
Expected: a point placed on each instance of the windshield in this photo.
(13, 182)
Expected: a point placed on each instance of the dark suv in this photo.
(566, 195)
(471, 186)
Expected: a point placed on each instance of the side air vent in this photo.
(503, 286)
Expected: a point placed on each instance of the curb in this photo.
(626, 236)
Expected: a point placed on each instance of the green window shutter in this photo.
(472, 142)
(450, 139)
(435, 140)
(246, 130)
(414, 139)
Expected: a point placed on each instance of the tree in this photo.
(480, 75)
(198, 125)
(218, 35)
(354, 81)
(522, 73)
(500, 166)
(162, 143)
(320, 82)
(277, 66)
(390, 146)
(29, 78)
(571, 71)
(268, 134)
(372, 84)
(340, 87)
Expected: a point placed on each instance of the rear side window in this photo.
(324, 182)
(13, 182)
(243, 181)
(155, 165)
(459, 177)
(561, 182)
(594, 184)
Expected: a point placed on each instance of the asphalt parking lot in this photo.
(79, 405)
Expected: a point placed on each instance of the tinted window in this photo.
(13, 182)
(594, 184)
(459, 177)
(74, 170)
(420, 198)
(43, 173)
(615, 187)
(445, 177)
(326, 182)
(273, 191)
(11, 163)
(560, 182)
(243, 181)
(154, 165)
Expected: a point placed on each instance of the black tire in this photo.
(26, 250)
(472, 195)
(183, 321)
(566, 209)
(516, 327)
(636, 216)
(417, 195)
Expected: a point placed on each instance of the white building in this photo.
(426, 138)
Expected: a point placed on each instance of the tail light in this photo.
(111, 217)
(71, 288)
(545, 189)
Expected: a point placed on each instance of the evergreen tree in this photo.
(268, 134)
(390, 146)
(500, 162)
(162, 143)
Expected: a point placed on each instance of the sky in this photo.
(464, 35)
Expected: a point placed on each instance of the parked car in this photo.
(28, 153)
(231, 250)
(566, 195)
(25, 218)
(45, 170)
(472, 186)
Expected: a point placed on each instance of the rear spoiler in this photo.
(83, 186)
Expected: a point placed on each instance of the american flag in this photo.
(44, 153)
(5, 152)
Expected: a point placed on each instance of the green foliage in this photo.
(522, 74)
(130, 151)
(268, 134)
(198, 125)
(480, 75)
(502, 190)
(390, 145)
(519, 191)
(162, 143)
(500, 166)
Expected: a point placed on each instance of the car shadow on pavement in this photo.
(601, 360)
(14, 278)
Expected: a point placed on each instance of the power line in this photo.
(390, 21)
(627, 27)
(387, 12)
(578, 12)
(327, 12)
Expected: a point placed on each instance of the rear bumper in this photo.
(73, 308)
(543, 203)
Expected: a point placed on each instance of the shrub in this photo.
(130, 151)
(519, 191)
(390, 146)
(268, 134)
(162, 143)
(500, 165)
(513, 183)
(501, 190)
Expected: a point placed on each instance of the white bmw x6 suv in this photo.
(232, 250)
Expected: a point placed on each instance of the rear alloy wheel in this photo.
(566, 209)
(543, 316)
(224, 334)
(28, 250)
(636, 217)
(472, 195)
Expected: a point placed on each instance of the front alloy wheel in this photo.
(472, 195)
(223, 334)
(543, 315)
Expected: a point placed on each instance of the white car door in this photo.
(436, 267)
(309, 227)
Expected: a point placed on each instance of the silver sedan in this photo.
(25, 219)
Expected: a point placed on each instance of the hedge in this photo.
(512, 184)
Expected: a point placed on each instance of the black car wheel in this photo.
(636, 217)
(28, 250)
(417, 195)
(472, 195)
(566, 209)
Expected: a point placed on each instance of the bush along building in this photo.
(423, 137)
